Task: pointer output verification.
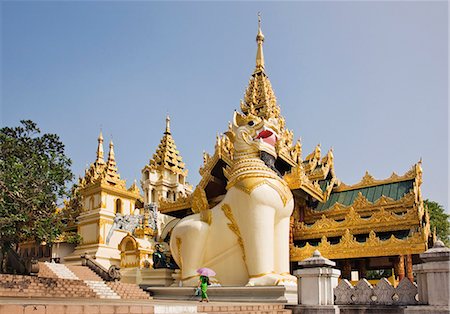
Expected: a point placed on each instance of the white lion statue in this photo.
(245, 238)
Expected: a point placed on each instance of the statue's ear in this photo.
(238, 119)
(235, 125)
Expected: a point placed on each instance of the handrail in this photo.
(19, 265)
(111, 274)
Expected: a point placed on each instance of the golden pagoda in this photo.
(103, 195)
(371, 225)
(164, 177)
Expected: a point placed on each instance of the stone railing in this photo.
(382, 294)
(111, 274)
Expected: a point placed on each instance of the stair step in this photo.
(61, 271)
(102, 289)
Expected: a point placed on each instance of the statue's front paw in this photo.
(270, 279)
(287, 280)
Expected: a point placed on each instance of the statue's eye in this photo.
(251, 123)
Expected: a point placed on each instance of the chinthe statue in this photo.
(244, 238)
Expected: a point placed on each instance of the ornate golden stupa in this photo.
(371, 225)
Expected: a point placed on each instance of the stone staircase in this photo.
(61, 271)
(102, 290)
(41, 287)
(128, 290)
(84, 273)
(93, 282)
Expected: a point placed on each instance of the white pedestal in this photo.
(317, 280)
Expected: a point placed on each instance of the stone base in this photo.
(269, 294)
(313, 309)
(431, 309)
(371, 309)
(147, 276)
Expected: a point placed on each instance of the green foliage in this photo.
(72, 208)
(439, 219)
(33, 174)
(72, 237)
(378, 274)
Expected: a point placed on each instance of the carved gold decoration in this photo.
(297, 179)
(368, 180)
(167, 156)
(234, 228)
(379, 221)
(178, 243)
(348, 247)
(363, 206)
(181, 202)
(199, 200)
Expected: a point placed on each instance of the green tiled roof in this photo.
(393, 190)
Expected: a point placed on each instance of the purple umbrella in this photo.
(204, 271)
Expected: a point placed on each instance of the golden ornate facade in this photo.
(369, 225)
(164, 177)
(103, 195)
(373, 224)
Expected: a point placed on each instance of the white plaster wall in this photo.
(89, 233)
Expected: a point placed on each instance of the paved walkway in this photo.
(101, 306)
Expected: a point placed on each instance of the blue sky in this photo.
(366, 78)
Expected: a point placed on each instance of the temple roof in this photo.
(103, 172)
(167, 156)
(371, 190)
(394, 191)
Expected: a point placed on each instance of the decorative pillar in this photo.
(409, 268)
(433, 276)
(317, 280)
(399, 267)
(347, 270)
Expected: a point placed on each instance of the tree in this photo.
(439, 220)
(34, 171)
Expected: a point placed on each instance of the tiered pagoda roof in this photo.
(167, 156)
(105, 173)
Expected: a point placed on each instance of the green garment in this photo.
(204, 286)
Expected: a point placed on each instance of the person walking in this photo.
(203, 284)
(203, 281)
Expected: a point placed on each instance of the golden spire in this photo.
(259, 51)
(167, 156)
(100, 159)
(259, 97)
(167, 125)
(100, 171)
(112, 176)
(111, 155)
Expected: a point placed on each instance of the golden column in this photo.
(409, 268)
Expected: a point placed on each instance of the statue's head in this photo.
(250, 133)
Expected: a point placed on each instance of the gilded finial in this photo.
(111, 155)
(100, 149)
(167, 124)
(259, 41)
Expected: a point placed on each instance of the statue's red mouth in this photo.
(267, 136)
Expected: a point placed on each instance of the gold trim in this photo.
(234, 228)
(249, 184)
(297, 179)
(261, 275)
(178, 242)
(368, 180)
(348, 247)
(362, 205)
(381, 220)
